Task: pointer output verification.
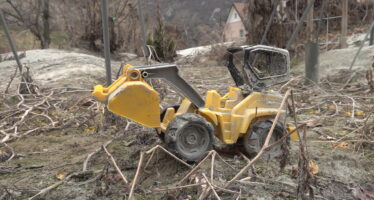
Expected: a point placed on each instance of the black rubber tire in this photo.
(256, 136)
(189, 136)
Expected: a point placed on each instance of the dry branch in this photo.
(211, 186)
(195, 168)
(304, 177)
(45, 190)
(85, 163)
(53, 186)
(131, 195)
(262, 151)
(115, 165)
(212, 167)
(178, 187)
(166, 151)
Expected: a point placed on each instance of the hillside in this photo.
(201, 22)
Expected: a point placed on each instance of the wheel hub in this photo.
(191, 138)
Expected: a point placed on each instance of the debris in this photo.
(314, 123)
(342, 145)
(313, 167)
(61, 174)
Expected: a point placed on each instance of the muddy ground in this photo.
(341, 144)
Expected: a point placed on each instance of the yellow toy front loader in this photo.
(188, 129)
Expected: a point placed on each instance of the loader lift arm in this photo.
(169, 73)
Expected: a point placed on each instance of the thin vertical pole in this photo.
(104, 18)
(319, 24)
(362, 45)
(144, 34)
(309, 25)
(275, 4)
(343, 37)
(12, 46)
(327, 34)
(297, 29)
(371, 42)
(296, 10)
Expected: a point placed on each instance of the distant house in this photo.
(234, 30)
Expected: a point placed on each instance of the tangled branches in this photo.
(33, 111)
(341, 104)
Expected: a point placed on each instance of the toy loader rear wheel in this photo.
(256, 136)
(189, 136)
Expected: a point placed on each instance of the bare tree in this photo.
(33, 15)
(82, 21)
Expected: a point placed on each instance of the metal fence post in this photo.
(372, 37)
(312, 62)
(371, 42)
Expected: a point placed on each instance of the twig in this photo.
(51, 187)
(284, 137)
(304, 176)
(225, 190)
(211, 187)
(212, 166)
(178, 187)
(93, 153)
(245, 157)
(55, 185)
(131, 195)
(348, 81)
(166, 151)
(149, 160)
(195, 168)
(239, 195)
(262, 151)
(289, 82)
(115, 165)
(251, 182)
(45, 190)
(128, 125)
(220, 157)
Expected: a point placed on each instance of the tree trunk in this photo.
(343, 37)
(45, 35)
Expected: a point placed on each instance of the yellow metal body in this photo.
(232, 115)
(131, 97)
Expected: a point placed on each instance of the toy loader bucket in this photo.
(132, 98)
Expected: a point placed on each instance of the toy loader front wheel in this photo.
(161, 134)
(256, 136)
(189, 136)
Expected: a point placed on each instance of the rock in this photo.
(59, 68)
(127, 56)
(10, 56)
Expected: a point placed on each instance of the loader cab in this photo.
(259, 66)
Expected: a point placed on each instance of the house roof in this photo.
(240, 8)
